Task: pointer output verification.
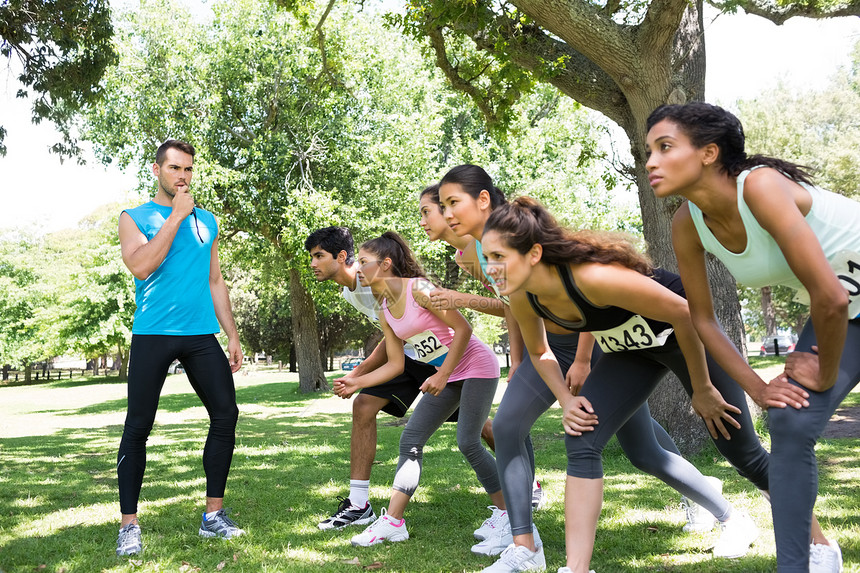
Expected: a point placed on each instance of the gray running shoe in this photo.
(128, 542)
(220, 526)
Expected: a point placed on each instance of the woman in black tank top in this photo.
(598, 283)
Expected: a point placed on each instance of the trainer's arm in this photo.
(223, 310)
(143, 257)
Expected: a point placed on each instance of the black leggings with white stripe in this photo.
(209, 373)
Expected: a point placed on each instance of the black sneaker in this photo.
(348, 515)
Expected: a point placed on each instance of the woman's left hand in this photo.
(710, 405)
(578, 416)
(803, 368)
(435, 384)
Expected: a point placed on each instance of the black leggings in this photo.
(620, 383)
(209, 373)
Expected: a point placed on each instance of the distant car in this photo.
(176, 368)
(350, 364)
(784, 343)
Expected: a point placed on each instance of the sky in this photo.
(745, 56)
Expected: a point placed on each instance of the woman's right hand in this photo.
(779, 393)
(578, 416)
(443, 299)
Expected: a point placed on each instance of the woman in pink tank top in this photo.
(466, 378)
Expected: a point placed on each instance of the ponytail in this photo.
(524, 222)
(390, 245)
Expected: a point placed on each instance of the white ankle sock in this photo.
(359, 489)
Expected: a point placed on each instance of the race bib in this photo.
(846, 265)
(430, 349)
(635, 334)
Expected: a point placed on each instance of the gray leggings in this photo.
(474, 397)
(793, 435)
(646, 444)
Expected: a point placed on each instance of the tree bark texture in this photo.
(306, 337)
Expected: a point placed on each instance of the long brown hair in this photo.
(390, 245)
(524, 222)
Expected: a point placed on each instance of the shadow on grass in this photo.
(58, 500)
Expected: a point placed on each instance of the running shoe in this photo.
(384, 528)
(700, 519)
(825, 558)
(496, 542)
(219, 526)
(518, 558)
(500, 539)
(347, 514)
(128, 542)
(738, 533)
(497, 520)
(538, 498)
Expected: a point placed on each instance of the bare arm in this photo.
(578, 415)
(223, 310)
(773, 199)
(691, 265)
(581, 366)
(377, 358)
(143, 257)
(462, 333)
(348, 385)
(443, 299)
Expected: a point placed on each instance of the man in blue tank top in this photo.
(171, 248)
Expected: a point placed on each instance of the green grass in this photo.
(59, 510)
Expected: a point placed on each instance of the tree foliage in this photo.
(818, 128)
(62, 48)
(299, 126)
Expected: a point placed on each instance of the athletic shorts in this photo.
(402, 390)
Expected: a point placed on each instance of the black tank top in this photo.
(598, 318)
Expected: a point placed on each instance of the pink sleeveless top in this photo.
(431, 338)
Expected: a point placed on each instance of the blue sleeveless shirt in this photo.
(175, 299)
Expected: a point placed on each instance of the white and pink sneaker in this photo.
(384, 528)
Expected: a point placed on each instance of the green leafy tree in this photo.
(23, 307)
(97, 297)
(816, 128)
(61, 49)
(622, 59)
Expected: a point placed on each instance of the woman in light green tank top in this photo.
(735, 201)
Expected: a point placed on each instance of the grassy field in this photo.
(59, 510)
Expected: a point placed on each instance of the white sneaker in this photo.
(825, 558)
(700, 519)
(518, 558)
(738, 533)
(496, 542)
(384, 528)
(496, 521)
(500, 540)
(567, 570)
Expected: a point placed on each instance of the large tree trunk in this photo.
(28, 373)
(306, 337)
(670, 404)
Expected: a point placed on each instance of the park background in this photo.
(363, 119)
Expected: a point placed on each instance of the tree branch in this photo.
(778, 14)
